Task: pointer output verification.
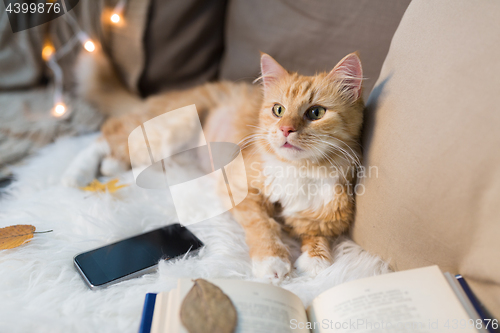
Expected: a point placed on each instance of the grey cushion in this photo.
(308, 35)
(183, 43)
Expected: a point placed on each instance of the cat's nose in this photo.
(287, 130)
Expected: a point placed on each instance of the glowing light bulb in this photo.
(59, 110)
(115, 18)
(47, 51)
(89, 46)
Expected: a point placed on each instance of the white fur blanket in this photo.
(40, 290)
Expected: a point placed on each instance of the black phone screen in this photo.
(112, 262)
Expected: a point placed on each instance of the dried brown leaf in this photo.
(13, 236)
(206, 309)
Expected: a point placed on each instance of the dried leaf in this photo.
(13, 236)
(206, 309)
(97, 186)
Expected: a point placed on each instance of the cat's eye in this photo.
(316, 112)
(278, 110)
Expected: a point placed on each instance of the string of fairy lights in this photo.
(51, 56)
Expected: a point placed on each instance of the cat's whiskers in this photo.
(332, 161)
(259, 148)
(352, 143)
(355, 160)
(328, 158)
(330, 149)
(345, 156)
(254, 140)
(312, 143)
(349, 146)
(251, 139)
(250, 144)
(352, 158)
(261, 128)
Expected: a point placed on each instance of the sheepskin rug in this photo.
(41, 291)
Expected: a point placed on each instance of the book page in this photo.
(161, 308)
(262, 308)
(418, 300)
(173, 323)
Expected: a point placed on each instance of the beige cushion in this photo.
(433, 131)
(308, 35)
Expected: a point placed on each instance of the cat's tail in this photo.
(98, 83)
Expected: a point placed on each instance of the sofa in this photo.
(431, 129)
(431, 124)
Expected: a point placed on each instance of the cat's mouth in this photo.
(290, 146)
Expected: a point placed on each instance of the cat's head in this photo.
(315, 118)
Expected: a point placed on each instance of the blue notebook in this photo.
(482, 312)
(147, 313)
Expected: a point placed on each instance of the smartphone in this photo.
(135, 256)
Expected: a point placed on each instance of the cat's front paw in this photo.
(273, 268)
(111, 166)
(83, 168)
(311, 265)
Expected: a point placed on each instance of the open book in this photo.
(418, 300)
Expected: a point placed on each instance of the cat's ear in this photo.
(271, 70)
(350, 75)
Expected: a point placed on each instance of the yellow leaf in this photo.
(97, 186)
(111, 185)
(13, 236)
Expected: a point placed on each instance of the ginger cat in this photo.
(300, 142)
